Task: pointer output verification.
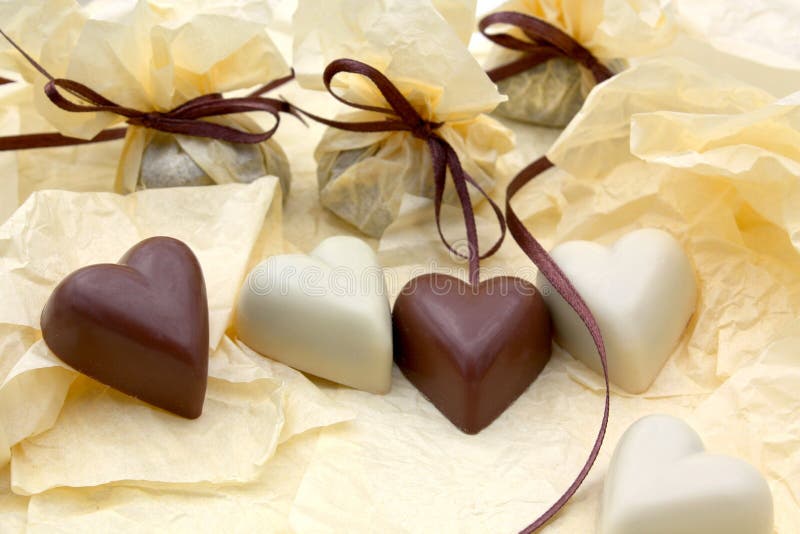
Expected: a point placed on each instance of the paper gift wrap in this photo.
(154, 58)
(664, 145)
(399, 454)
(363, 176)
(60, 428)
(613, 31)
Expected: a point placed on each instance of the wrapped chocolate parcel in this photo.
(162, 70)
(551, 53)
(363, 175)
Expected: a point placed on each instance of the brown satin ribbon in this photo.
(548, 267)
(401, 116)
(545, 42)
(4, 81)
(184, 119)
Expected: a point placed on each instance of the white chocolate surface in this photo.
(661, 481)
(642, 292)
(325, 313)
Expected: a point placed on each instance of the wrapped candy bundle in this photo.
(162, 69)
(363, 175)
(548, 61)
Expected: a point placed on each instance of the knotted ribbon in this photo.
(545, 42)
(548, 267)
(401, 116)
(184, 119)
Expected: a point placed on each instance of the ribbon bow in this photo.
(184, 119)
(401, 116)
(546, 42)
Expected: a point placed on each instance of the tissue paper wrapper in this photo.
(363, 176)
(154, 58)
(179, 160)
(401, 467)
(551, 93)
(61, 429)
(705, 158)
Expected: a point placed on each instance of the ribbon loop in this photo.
(185, 119)
(545, 42)
(402, 116)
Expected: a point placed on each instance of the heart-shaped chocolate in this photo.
(471, 350)
(324, 313)
(641, 290)
(140, 326)
(662, 481)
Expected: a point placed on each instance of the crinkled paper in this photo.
(363, 176)
(153, 57)
(763, 31)
(665, 144)
(612, 30)
(260, 505)
(25, 171)
(60, 429)
(607, 28)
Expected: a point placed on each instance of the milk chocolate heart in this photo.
(140, 326)
(471, 350)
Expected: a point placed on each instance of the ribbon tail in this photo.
(460, 182)
(27, 57)
(561, 283)
(51, 140)
(291, 109)
(439, 164)
(388, 125)
(498, 213)
(274, 84)
(405, 118)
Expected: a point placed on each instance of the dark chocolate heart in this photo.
(471, 350)
(140, 326)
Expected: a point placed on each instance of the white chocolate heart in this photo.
(661, 481)
(325, 313)
(642, 292)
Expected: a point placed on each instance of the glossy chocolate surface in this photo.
(471, 350)
(140, 326)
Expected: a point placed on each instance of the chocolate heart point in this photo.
(471, 350)
(140, 326)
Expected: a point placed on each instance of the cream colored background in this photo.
(690, 149)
